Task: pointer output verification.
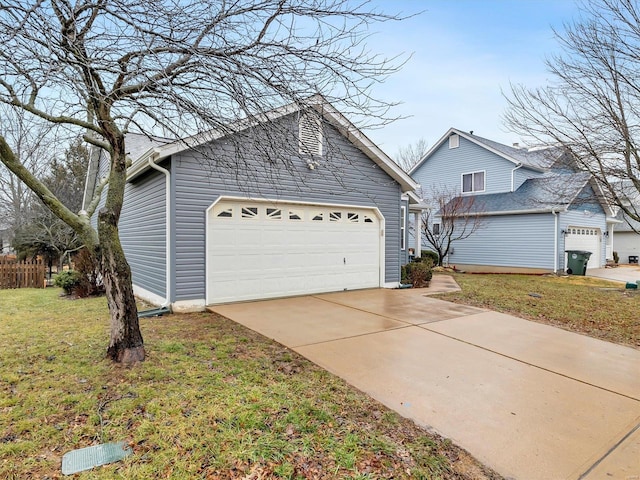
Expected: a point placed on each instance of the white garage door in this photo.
(264, 250)
(585, 238)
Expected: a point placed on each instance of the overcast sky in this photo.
(465, 52)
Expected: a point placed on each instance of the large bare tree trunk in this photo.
(126, 344)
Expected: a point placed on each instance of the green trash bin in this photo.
(577, 261)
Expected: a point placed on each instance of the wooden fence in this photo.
(14, 274)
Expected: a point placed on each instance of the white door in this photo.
(585, 238)
(261, 250)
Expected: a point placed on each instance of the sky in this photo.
(465, 54)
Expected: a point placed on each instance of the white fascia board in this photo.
(433, 148)
(515, 212)
(473, 140)
(608, 208)
(360, 140)
(158, 154)
(350, 131)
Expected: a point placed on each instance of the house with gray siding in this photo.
(298, 201)
(534, 205)
(627, 238)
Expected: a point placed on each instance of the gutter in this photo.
(555, 241)
(512, 212)
(151, 162)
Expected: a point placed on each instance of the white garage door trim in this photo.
(209, 236)
(585, 238)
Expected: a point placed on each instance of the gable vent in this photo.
(454, 141)
(310, 135)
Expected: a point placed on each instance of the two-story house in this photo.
(534, 205)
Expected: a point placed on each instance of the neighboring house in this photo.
(298, 202)
(627, 238)
(534, 205)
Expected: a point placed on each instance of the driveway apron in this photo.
(529, 400)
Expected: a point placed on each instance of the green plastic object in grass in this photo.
(154, 312)
(87, 458)
(631, 286)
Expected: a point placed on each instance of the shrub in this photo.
(419, 274)
(429, 254)
(90, 278)
(67, 281)
(616, 257)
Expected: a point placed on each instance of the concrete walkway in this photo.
(529, 400)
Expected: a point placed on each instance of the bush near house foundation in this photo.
(418, 273)
(430, 254)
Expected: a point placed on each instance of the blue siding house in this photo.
(298, 201)
(533, 205)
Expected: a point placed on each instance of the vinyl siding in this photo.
(445, 166)
(344, 176)
(586, 200)
(530, 242)
(521, 175)
(142, 228)
(143, 231)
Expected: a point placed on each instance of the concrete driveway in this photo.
(529, 400)
(621, 273)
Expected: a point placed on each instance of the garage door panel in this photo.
(587, 239)
(252, 255)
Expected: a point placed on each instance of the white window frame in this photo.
(454, 141)
(473, 181)
(435, 226)
(403, 222)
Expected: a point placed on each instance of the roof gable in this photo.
(157, 151)
(536, 159)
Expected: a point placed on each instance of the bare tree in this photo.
(592, 105)
(42, 233)
(407, 157)
(450, 218)
(32, 143)
(104, 67)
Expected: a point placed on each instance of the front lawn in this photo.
(213, 401)
(586, 305)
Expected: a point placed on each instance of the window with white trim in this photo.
(435, 229)
(473, 182)
(249, 212)
(310, 135)
(454, 141)
(403, 221)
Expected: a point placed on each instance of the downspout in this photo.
(157, 167)
(555, 242)
(513, 176)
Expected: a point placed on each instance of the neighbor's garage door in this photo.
(264, 250)
(585, 238)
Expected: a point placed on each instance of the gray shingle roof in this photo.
(545, 193)
(137, 143)
(542, 158)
